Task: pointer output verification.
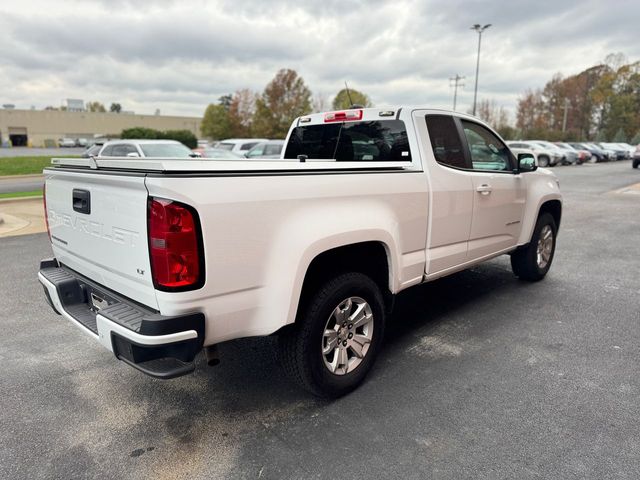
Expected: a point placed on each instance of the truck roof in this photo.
(389, 112)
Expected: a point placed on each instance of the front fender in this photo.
(542, 186)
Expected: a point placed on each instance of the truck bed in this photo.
(220, 166)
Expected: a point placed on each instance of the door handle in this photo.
(81, 201)
(484, 189)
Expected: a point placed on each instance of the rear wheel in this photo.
(532, 262)
(635, 163)
(337, 336)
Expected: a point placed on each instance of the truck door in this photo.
(451, 191)
(498, 193)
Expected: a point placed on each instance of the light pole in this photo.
(478, 29)
(456, 83)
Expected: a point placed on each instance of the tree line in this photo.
(601, 103)
(269, 114)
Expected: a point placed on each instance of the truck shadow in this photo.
(245, 401)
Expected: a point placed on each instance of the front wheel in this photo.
(337, 336)
(635, 163)
(543, 161)
(533, 261)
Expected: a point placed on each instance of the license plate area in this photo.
(97, 300)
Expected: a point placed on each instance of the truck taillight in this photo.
(347, 115)
(46, 213)
(175, 246)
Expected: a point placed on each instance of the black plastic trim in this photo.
(166, 361)
(74, 292)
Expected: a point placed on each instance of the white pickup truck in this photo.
(159, 259)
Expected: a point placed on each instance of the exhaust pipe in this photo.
(212, 355)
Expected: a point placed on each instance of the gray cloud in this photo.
(180, 55)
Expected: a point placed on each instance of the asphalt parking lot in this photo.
(482, 376)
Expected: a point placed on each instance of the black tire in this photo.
(635, 163)
(301, 345)
(524, 261)
(543, 161)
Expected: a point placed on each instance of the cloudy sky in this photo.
(180, 55)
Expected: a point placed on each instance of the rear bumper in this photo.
(160, 346)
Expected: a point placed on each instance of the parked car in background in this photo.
(270, 149)
(610, 154)
(636, 157)
(629, 148)
(620, 153)
(597, 153)
(220, 154)
(583, 155)
(146, 148)
(566, 157)
(544, 157)
(66, 142)
(517, 151)
(81, 142)
(202, 146)
(92, 151)
(239, 145)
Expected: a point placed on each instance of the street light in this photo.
(478, 29)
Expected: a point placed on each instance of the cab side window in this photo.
(445, 141)
(488, 153)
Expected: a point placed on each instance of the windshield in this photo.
(383, 140)
(165, 150)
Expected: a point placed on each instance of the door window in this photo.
(107, 151)
(123, 150)
(445, 141)
(256, 151)
(488, 153)
(273, 149)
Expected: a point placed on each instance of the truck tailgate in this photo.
(98, 225)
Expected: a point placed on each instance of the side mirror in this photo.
(526, 163)
(133, 155)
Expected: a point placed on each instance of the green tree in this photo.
(225, 101)
(95, 107)
(115, 108)
(601, 136)
(620, 136)
(215, 123)
(284, 98)
(342, 102)
(185, 137)
(141, 133)
(636, 138)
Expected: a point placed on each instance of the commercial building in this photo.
(43, 128)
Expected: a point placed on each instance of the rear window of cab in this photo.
(365, 141)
